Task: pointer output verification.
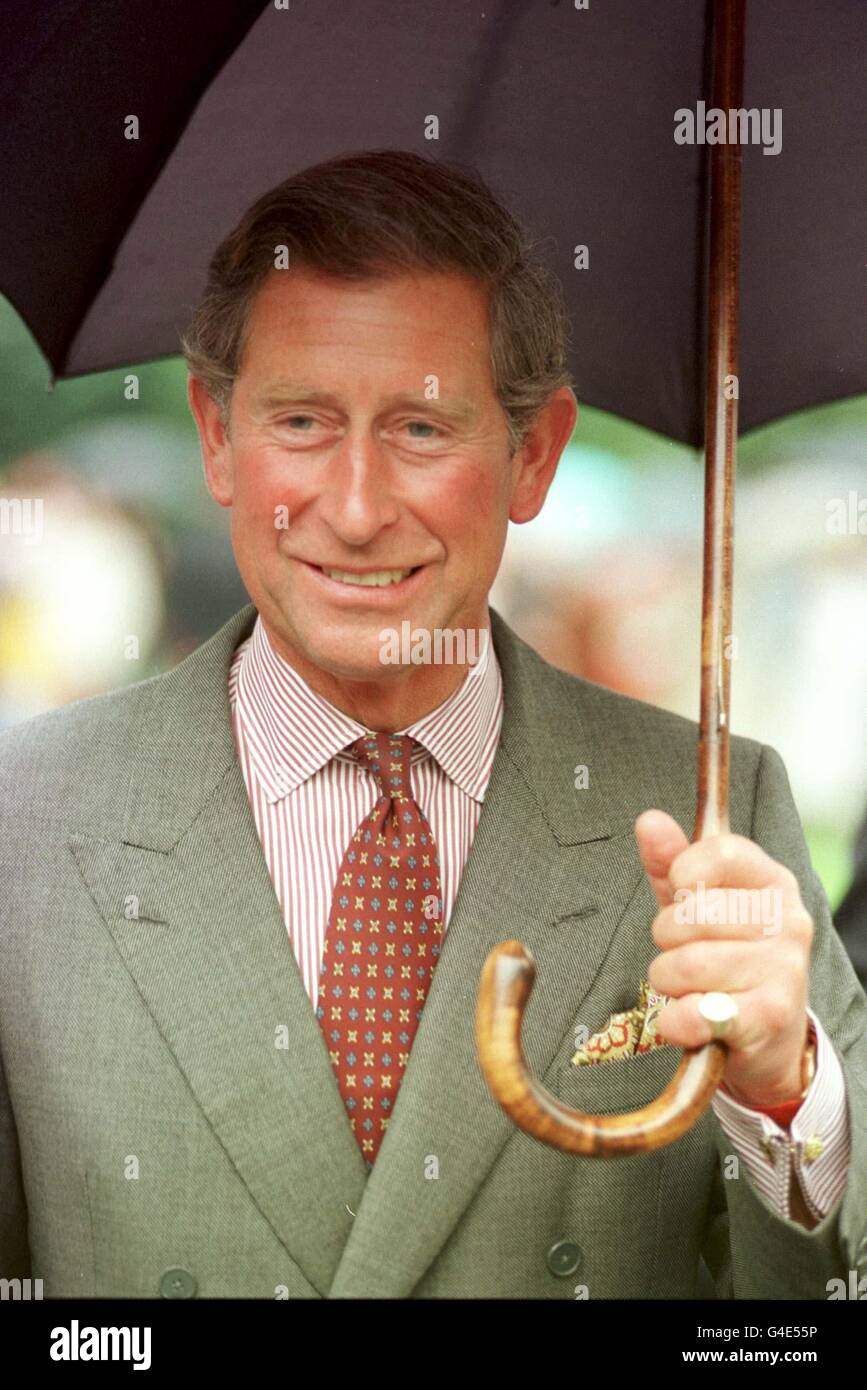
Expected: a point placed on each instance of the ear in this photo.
(535, 463)
(214, 440)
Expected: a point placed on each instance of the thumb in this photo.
(660, 840)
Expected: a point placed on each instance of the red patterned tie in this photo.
(382, 943)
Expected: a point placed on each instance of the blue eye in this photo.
(425, 426)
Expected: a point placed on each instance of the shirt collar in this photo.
(292, 731)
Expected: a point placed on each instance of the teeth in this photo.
(379, 578)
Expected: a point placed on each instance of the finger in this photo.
(731, 861)
(719, 914)
(750, 1032)
(681, 1025)
(660, 840)
(715, 965)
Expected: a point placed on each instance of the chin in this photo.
(351, 655)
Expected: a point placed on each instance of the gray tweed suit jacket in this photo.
(155, 1141)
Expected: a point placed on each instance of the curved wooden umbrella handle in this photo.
(506, 984)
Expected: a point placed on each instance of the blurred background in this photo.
(605, 583)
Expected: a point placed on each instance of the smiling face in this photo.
(337, 465)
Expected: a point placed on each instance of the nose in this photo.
(357, 499)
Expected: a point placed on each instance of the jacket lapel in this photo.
(552, 866)
(188, 900)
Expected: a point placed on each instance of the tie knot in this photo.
(387, 756)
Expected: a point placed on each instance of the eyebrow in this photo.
(286, 393)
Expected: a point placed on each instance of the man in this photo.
(247, 903)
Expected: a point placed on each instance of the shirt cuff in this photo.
(817, 1142)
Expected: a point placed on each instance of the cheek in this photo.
(263, 491)
(470, 501)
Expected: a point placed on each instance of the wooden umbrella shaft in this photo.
(507, 977)
(721, 428)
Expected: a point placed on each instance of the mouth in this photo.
(375, 584)
(377, 579)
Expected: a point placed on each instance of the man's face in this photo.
(366, 438)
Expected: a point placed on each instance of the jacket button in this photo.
(564, 1257)
(177, 1283)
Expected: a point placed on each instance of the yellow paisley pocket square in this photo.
(627, 1033)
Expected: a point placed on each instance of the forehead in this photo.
(428, 318)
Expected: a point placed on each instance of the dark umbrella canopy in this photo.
(568, 113)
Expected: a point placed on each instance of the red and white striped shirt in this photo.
(308, 796)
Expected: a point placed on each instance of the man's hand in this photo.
(731, 919)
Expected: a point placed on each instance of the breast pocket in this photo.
(610, 1088)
